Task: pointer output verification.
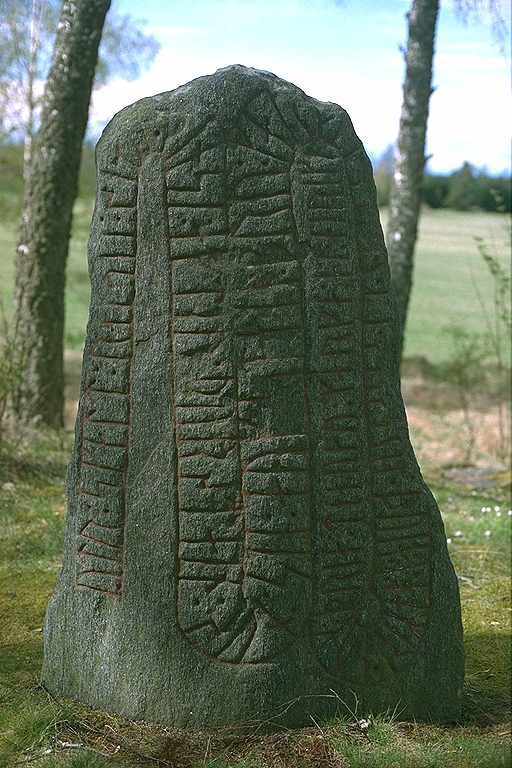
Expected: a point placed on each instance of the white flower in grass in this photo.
(448, 541)
(458, 535)
(487, 534)
(497, 509)
(498, 514)
(509, 513)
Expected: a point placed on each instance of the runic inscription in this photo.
(294, 503)
(104, 428)
(246, 511)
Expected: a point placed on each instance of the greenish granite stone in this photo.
(248, 529)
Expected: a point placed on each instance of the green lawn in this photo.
(447, 268)
(448, 273)
(38, 731)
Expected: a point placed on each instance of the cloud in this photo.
(375, 116)
(341, 59)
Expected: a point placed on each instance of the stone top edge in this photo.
(278, 81)
(228, 83)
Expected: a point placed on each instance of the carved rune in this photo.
(301, 513)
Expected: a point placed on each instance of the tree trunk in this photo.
(35, 22)
(47, 210)
(404, 205)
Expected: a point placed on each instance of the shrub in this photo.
(435, 190)
(463, 189)
(466, 189)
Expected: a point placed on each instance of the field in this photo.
(38, 731)
(448, 273)
(448, 267)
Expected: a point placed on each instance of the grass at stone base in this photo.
(38, 731)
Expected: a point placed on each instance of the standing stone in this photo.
(248, 529)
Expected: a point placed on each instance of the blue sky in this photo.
(346, 52)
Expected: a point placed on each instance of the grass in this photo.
(41, 732)
(447, 267)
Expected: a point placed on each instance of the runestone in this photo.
(248, 536)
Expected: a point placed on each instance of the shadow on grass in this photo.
(23, 658)
(487, 698)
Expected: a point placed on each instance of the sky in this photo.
(344, 51)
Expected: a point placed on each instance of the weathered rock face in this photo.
(248, 527)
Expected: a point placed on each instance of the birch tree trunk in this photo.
(404, 204)
(35, 23)
(47, 210)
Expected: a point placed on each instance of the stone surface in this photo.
(248, 529)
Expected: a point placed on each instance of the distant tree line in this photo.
(465, 189)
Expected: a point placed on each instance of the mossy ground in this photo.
(41, 732)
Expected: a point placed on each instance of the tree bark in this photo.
(35, 21)
(47, 211)
(404, 205)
